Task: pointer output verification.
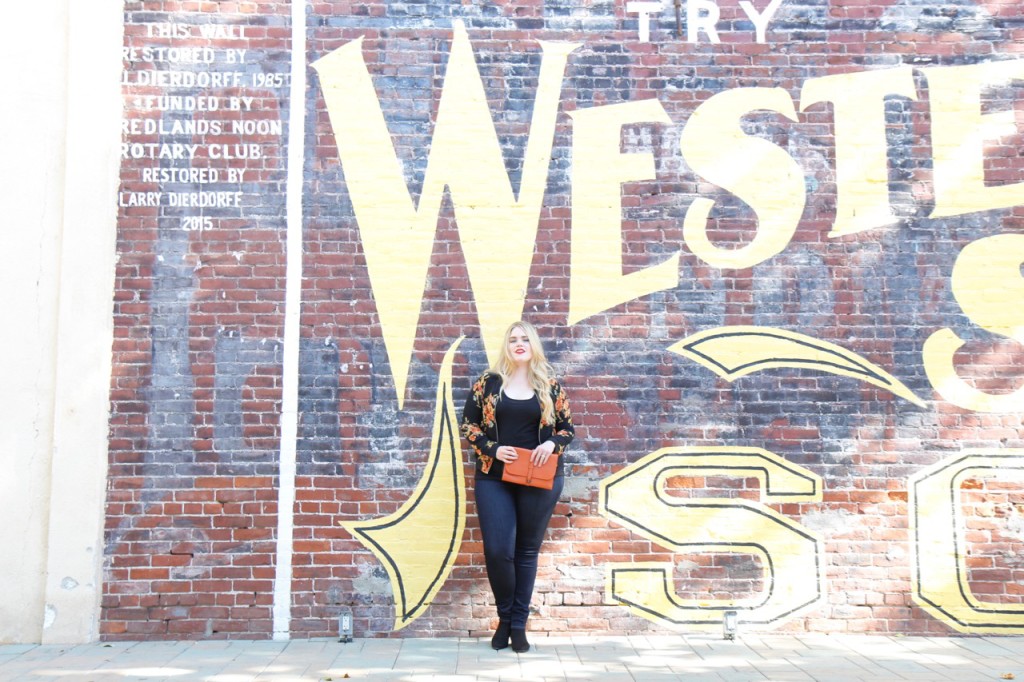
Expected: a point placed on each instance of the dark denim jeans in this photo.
(513, 519)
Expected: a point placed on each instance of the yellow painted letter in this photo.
(959, 133)
(790, 554)
(755, 170)
(939, 549)
(862, 164)
(987, 284)
(496, 228)
(598, 169)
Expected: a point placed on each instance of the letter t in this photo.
(645, 10)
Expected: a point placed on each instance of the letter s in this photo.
(987, 284)
(763, 175)
(791, 555)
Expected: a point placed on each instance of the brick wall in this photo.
(196, 392)
(198, 324)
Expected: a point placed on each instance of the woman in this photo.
(520, 393)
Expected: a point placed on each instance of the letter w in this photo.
(497, 230)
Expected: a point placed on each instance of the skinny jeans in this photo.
(513, 520)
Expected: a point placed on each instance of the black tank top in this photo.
(518, 422)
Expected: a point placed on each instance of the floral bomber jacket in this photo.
(480, 425)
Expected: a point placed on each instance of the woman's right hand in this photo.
(506, 453)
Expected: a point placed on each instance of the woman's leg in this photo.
(534, 507)
(496, 510)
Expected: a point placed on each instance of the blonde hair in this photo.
(539, 371)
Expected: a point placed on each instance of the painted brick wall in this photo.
(198, 318)
(196, 393)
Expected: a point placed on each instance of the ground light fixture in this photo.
(729, 624)
(345, 625)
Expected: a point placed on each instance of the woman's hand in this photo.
(506, 453)
(541, 453)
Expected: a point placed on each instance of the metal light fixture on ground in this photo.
(730, 622)
(345, 625)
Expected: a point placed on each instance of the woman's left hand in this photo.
(542, 452)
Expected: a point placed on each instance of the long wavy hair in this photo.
(539, 371)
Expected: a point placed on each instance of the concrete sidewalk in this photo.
(608, 659)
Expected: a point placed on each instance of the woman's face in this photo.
(519, 346)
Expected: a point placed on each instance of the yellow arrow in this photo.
(733, 352)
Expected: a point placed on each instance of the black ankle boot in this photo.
(519, 643)
(500, 639)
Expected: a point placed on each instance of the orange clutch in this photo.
(523, 471)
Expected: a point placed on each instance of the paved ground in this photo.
(608, 659)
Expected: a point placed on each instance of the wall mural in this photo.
(792, 555)
(777, 256)
(419, 563)
(941, 584)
